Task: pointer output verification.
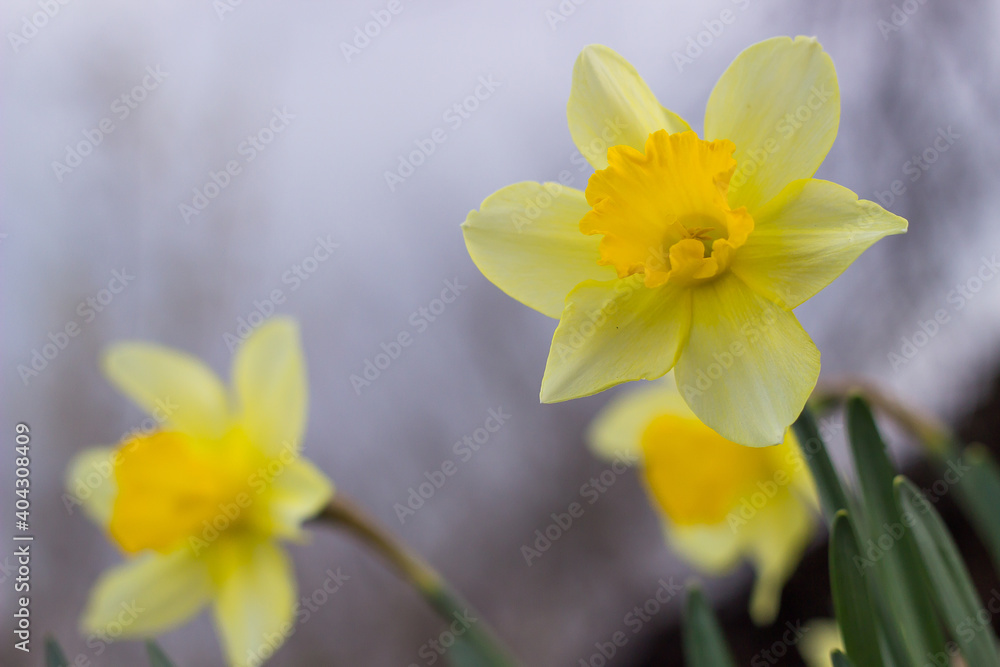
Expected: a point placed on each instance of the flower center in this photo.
(664, 213)
(172, 487)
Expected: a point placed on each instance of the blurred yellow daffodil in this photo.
(687, 251)
(719, 502)
(199, 505)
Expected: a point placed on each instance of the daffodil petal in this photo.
(269, 377)
(748, 366)
(713, 549)
(773, 539)
(254, 600)
(807, 236)
(526, 240)
(610, 105)
(90, 482)
(788, 457)
(616, 432)
(822, 636)
(298, 492)
(779, 102)
(153, 592)
(777, 537)
(612, 332)
(175, 388)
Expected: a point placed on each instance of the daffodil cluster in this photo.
(682, 260)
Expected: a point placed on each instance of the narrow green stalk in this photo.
(933, 434)
(477, 638)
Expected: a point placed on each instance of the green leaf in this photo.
(54, 656)
(704, 644)
(979, 495)
(900, 593)
(895, 651)
(476, 646)
(470, 650)
(462, 654)
(950, 582)
(851, 597)
(831, 491)
(875, 471)
(157, 658)
(840, 660)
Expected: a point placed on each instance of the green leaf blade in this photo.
(979, 495)
(910, 623)
(54, 656)
(851, 597)
(157, 658)
(831, 491)
(951, 584)
(704, 643)
(840, 660)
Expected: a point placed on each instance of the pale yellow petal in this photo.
(255, 599)
(147, 596)
(712, 549)
(610, 105)
(748, 366)
(90, 483)
(771, 531)
(526, 240)
(269, 377)
(298, 492)
(807, 236)
(779, 102)
(821, 637)
(612, 332)
(616, 432)
(776, 539)
(175, 388)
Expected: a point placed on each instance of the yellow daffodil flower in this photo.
(687, 251)
(719, 502)
(199, 505)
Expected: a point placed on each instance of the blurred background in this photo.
(127, 238)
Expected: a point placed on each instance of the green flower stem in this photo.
(933, 434)
(477, 639)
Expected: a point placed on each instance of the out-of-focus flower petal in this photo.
(147, 595)
(269, 378)
(255, 600)
(175, 388)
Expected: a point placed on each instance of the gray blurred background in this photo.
(222, 71)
